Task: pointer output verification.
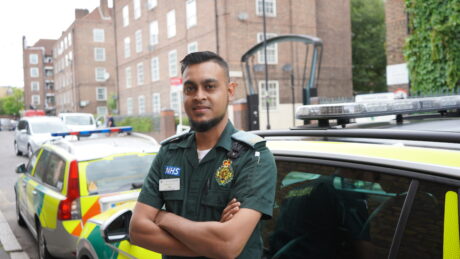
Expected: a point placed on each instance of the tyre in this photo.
(19, 217)
(16, 149)
(42, 249)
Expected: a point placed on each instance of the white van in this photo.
(78, 121)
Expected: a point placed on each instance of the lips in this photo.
(200, 108)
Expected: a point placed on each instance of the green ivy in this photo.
(432, 50)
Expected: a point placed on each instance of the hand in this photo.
(232, 208)
(161, 214)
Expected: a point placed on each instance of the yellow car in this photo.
(67, 182)
(341, 193)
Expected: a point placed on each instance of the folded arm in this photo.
(212, 239)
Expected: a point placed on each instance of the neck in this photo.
(208, 139)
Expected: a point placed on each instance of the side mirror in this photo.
(21, 168)
(116, 228)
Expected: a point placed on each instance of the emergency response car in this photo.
(67, 182)
(343, 193)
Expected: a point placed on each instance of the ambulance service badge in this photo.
(224, 173)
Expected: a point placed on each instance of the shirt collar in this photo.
(225, 140)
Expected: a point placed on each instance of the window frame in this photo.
(98, 35)
(125, 15)
(129, 106)
(191, 13)
(33, 59)
(259, 8)
(191, 45)
(156, 103)
(140, 75)
(171, 23)
(99, 54)
(262, 103)
(138, 40)
(128, 79)
(99, 74)
(172, 64)
(270, 47)
(155, 70)
(104, 98)
(141, 104)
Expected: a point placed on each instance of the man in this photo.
(196, 174)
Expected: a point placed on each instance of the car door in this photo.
(21, 136)
(22, 195)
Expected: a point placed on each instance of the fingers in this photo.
(231, 209)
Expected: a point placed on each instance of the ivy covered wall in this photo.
(432, 49)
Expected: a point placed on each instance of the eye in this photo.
(210, 86)
(189, 88)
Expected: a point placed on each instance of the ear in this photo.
(231, 90)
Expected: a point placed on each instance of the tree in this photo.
(112, 104)
(368, 46)
(14, 103)
(432, 49)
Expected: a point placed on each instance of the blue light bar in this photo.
(89, 132)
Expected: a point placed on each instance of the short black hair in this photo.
(204, 56)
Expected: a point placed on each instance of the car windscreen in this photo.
(40, 127)
(79, 120)
(120, 173)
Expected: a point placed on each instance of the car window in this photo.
(119, 173)
(423, 234)
(79, 120)
(331, 212)
(21, 125)
(31, 163)
(54, 174)
(39, 127)
(42, 163)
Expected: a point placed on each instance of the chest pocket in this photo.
(213, 203)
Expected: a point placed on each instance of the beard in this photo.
(206, 125)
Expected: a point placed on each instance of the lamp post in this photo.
(266, 67)
(288, 68)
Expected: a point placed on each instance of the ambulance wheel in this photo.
(42, 249)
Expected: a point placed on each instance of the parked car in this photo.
(67, 182)
(32, 132)
(340, 195)
(78, 121)
(7, 124)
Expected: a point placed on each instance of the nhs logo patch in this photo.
(171, 170)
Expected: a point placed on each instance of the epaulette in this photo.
(174, 138)
(248, 138)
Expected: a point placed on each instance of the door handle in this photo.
(34, 192)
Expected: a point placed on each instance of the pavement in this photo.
(9, 245)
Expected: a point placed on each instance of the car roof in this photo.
(41, 118)
(99, 146)
(75, 114)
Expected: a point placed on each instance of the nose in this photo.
(200, 94)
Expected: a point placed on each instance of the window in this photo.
(125, 16)
(101, 110)
(172, 60)
(156, 105)
(190, 9)
(138, 36)
(100, 74)
(35, 86)
(99, 54)
(129, 106)
(272, 50)
(270, 7)
(152, 4)
(330, 211)
(33, 59)
(171, 23)
(55, 169)
(128, 77)
(69, 38)
(34, 72)
(154, 33)
(127, 47)
(273, 94)
(35, 99)
(175, 101)
(98, 35)
(155, 68)
(137, 9)
(140, 73)
(141, 103)
(192, 47)
(41, 167)
(101, 93)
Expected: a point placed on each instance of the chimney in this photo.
(80, 13)
(104, 8)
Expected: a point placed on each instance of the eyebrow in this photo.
(206, 81)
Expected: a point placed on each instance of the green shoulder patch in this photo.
(175, 138)
(248, 138)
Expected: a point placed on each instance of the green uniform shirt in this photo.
(207, 186)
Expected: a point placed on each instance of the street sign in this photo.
(175, 81)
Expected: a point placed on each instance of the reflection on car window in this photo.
(79, 120)
(117, 174)
(424, 231)
(55, 171)
(327, 212)
(31, 163)
(39, 127)
(42, 164)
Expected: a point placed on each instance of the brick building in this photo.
(84, 66)
(38, 75)
(396, 34)
(153, 36)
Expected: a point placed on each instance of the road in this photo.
(8, 163)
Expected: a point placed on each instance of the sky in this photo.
(35, 19)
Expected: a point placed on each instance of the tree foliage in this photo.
(14, 103)
(368, 46)
(432, 50)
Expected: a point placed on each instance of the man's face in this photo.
(206, 95)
